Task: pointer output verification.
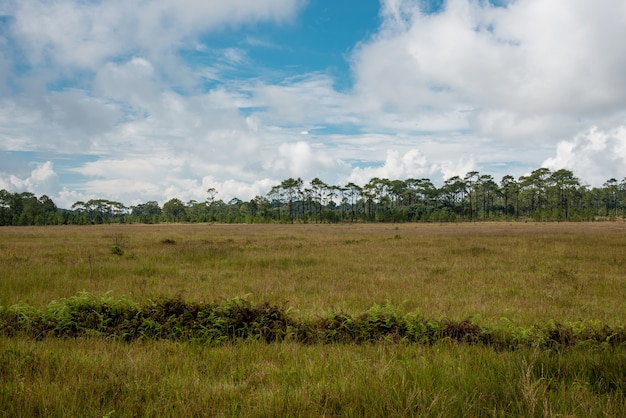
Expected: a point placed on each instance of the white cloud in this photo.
(511, 128)
(93, 32)
(594, 156)
(413, 164)
(230, 189)
(133, 82)
(137, 169)
(459, 167)
(523, 76)
(535, 59)
(309, 98)
(42, 180)
(299, 159)
(61, 121)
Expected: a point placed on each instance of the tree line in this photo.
(544, 195)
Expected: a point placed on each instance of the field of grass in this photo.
(498, 275)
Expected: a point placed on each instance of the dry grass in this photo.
(522, 272)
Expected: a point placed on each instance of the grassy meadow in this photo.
(498, 275)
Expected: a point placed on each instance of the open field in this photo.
(523, 272)
(495, 274)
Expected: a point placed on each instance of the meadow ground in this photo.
(522, 272)
(494, 273)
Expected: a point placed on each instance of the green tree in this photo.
(318, 193)
(174, 210)
(260, 207)
(562, 189)
(621, 197)
(276, 200)
(372, 194)
(469, 182)
(453, 192)
(293, 190)
(487, 190)
(611, 192)
(354, 193)
(211, 192)
(48, 210)
(148, 212)
(6, 208)
(30, 209)
(197, 211)
(509, 189)
(533, 191)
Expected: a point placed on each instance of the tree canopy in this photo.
(543, 195)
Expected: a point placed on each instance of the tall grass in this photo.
(94, 377)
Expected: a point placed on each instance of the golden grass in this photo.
(520, 272)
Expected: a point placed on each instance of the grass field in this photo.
(496, 274)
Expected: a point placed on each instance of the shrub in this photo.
(87, 315)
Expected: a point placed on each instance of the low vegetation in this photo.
(238, 320)
(489, 319)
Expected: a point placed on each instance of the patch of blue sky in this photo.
(23, 162)
(320, 40)
(337, 129)
(437, 6)
(17, 162)
(13, 56)
(364, 163)
(251, 110)
(21, 68)
(77, 80)
(500, 3)
(5, 23)
(431, 6)
(514, 168)
(65, 167)
(500, 164)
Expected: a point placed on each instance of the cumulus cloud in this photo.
(230, 189)
(42, 180)
(299, 159)
(516, 66)
(595, 155)
(413, 164)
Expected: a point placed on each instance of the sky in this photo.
(146, 100)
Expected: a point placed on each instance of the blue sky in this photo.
(154, 99)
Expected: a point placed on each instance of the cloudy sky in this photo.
(137, 100)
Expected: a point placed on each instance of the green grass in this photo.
(554, 292)
(95, 377)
